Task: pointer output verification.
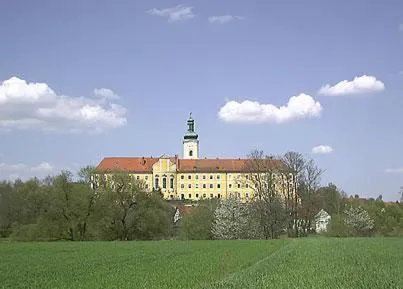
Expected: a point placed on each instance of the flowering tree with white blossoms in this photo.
(231, 219)
(359, 221)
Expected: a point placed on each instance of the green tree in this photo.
(197, 224)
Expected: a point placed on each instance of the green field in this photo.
(300, 263)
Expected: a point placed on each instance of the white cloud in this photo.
(105, 93)
(394, 171)
(177, 13)
(36, 106)
(359, 85)
(12, 167)
(24, 171)
(322, 149)
(42, 167)
(298, 107)
(223, 18)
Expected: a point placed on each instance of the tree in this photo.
(309, 185)
(292, 175)
(118, 202)
(153, 217)
(88, 194)
(197, 224)
(359, 221)
(267, 205)
(330, 198)
(231, 220)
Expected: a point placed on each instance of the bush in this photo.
(359, 222)
(337, 227)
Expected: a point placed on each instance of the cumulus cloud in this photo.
(394, 171)
(177, 13)
(42, 167)
(322, 149)
(105, 93)
(359, 85)
(223, 18)
(35, 106)
(24, 171)
(298, 107)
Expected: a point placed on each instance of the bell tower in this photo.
(190, 141)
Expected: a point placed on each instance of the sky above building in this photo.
(83, 80)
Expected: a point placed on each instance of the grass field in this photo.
(303, 263)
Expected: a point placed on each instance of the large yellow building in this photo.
(190, 177)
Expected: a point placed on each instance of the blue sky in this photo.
(120, 78)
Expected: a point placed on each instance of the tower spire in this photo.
(190, 140)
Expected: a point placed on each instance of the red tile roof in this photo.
(144, 165)
(140, 165)
(211, 165)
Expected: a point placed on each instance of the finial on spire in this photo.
(190, 115)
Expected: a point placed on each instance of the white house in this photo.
(322, 220)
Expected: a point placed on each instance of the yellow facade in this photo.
(189, 182)
(195, 185)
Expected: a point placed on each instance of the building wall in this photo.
(195, 185)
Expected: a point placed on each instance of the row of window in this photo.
(211, 177)
(211, 186)
(197, 196)
(189, 177)
(164, 183)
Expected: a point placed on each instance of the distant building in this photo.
(190, 177)
(322, 220)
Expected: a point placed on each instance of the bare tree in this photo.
(292, 176)
(309, 185)
(263, 172)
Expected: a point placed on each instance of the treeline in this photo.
(287, 199)
(58, 208)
